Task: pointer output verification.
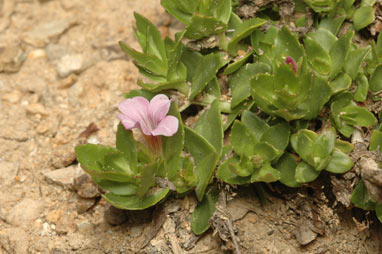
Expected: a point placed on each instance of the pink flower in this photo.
(150, 117)
(290, 60)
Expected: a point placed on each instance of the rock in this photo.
(55, 52)
(64, 176)
(54, 216)
(304, 234)
(42, 34)
(34, 84)
(36, 108)
(25, 212)
(7, 7)
(85, 187)
(37, 53)
(69, 64)
(12, 97)
(83, 205)
(11, 59)
(68, 82)
(8, 172)
(85, 227)
(75, 241)
(64, 155)
(115, 216)
(66, 223)
(14, 241)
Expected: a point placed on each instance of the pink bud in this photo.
(290, 60)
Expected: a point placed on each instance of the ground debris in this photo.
(11, 58)
(222, 224)
(43, 33)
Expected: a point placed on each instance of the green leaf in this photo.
(117, 188)
(255, 124)
(181, 9)
(126, 144)
(205, 158)
(332, 24)
(378, 211)
(339, 52)
(242, 139)
(287, 167)
(363, 17)
(185, 179)
(213, 88)
(243, 31)
(379, 46)
(134, 202)
(266, 151)
(305, 173)
(361, 198)
(204, 211)
(200, 74)
(174, 51)
(266, 174)
(209, 126)
(312, 148)
(360, 94)
(360, 116)
(344, 146)
(218, 9)
(318, 95)
(341, 83)
(154, 44)
(139, 92)
(226, 174)
(287, 44)
(203, 26)
(148, 62)
(320, 5)
(118, 162)
(173, 146)
(179, 85)
(239, 61)
(376, 140)
(147, 179)
(92, 157)
(317, 56)
(339, 102)
(240, 83)
(238, 110)
(375, 83)
(277, 136)
(324, 38)
(354, 61)
(340, 163)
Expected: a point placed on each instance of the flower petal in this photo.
(136, 110)
(127, 122)
(158, 109)
(167, 127)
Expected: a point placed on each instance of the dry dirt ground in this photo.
(62, 75)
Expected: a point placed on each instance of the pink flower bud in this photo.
(290, 60)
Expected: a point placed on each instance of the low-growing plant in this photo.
(286, 103)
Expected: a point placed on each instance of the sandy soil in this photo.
(62, 75)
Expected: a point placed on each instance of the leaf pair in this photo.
(118, 172)
(256, 145)
(319, 152)
(345, 114)
(160, 59)
(202, 17)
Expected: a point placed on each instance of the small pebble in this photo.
(115, 216)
